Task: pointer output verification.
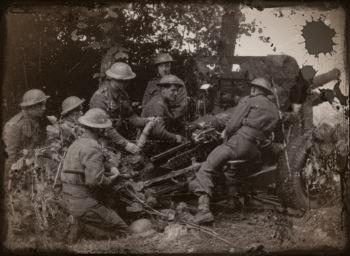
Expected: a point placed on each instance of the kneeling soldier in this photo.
(84, 174)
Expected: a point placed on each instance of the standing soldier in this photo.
(163, 64)
(85, 173)
(251, 123)
(159, 106)
(112, 97)
(26, 129)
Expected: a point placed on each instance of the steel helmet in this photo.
(32, 97)
(95, 118)
(170, 79)
(140, 226)
(262, 83)
(70, 104)
(163, 58)
(120, 71)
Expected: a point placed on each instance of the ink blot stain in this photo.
(318, 37)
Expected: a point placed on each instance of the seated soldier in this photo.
(251, 122)
(168, 128)
(84, 175)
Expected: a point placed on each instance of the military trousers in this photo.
(237, 147)
(105, 219)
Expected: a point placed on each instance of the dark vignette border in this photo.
(258, 4)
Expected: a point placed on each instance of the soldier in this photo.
(113, 98)
(251, 123)
(163, 65)
(62, 133)
(85, 172)
(26, 130)
(159, 106)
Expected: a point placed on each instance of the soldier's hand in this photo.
(180, 139)
(132, 148)
(52, 119)
(223, 134)
(153, 119)
(114, 173)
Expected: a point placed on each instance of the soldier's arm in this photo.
(93, 161)
(239, 112)
(133, 118)
(97, 101)
(137, 121)
(12, 140)
(159, 130)
(115, 137)
(53, 139)
(221, 120)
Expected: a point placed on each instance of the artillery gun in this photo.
(288, 178)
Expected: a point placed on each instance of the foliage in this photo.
(145, 27)
(34, 206)
(327, 165)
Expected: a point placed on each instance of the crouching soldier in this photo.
(168, 128)
(26, 130)
(63, 132)
(250, 124)
(84, 174)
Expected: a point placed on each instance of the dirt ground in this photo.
(256, 230)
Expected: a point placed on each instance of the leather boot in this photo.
(204, 214)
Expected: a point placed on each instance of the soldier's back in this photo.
(79, 148)
(264, 113)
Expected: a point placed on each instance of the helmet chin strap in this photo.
(101, 132)
(31, 113)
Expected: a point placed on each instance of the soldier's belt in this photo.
(75, 190)
(73, 172)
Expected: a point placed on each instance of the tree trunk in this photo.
(229, 32)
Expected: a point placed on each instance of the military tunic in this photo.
(83, 175)
(179, 107)
(117, 105)
(251, 122)
(22, 132)
(168, 127)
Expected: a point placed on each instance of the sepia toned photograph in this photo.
(162, 127)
